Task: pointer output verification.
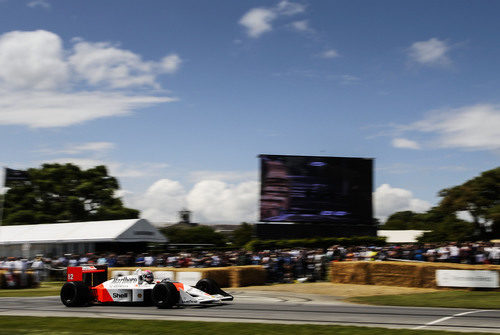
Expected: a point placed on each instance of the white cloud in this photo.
(39, 3)
(40, 81)
(162, 201)
(404, 143)
(431, 52)
(216, 201)
(32, 60)
(472, 127)
(211, 201)
(329, 54)
(388, 200)
(42, 109)
(226, 176)
(258, 21)
(289, 8)
(103, 63)
(91, 146)
(171, 63)
(302, 26)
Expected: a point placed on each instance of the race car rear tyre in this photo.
(165, 295)
(74, 294)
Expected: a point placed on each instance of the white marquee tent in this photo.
(401, 236)
(75, 237)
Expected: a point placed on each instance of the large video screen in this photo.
(316, 189)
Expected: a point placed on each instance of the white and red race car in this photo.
(88, 284)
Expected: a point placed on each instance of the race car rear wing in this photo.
(91, 275)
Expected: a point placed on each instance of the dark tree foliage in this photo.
(194, 235)
(243, 234)
(480, 197)
(57, 192)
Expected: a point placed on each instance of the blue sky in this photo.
(178, 98)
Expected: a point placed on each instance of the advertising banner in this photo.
(467, 278)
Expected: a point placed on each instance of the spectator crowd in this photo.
(283, 265)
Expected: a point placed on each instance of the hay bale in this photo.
(406, 274)
(221, 275)
(350, 272)
(394, 274)
(247, 275)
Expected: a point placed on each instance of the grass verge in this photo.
(453, 299)
(79, 326)
(45, 289)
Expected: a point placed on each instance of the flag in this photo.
(15, 175)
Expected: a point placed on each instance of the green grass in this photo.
(45, 289)
(454, 299)
(79, 326)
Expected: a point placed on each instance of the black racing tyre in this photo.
(165, 295)
(74, 294)
(208, 285)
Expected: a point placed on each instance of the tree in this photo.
(401, 221)
(194, 235)
(480, 197)
(57, 192)
(243, 234)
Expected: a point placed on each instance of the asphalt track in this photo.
(275, 307)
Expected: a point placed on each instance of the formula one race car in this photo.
(89, 284)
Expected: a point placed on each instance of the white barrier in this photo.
(160, 275)
(190, 278)
(467, 278)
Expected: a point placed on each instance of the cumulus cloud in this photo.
(217, 201)
(388, 200)
(258, 21)
(162, 201)
(471, 127)
(430, 52)
(32, 60)
(211, 201)
(404, 143)
(42, 84)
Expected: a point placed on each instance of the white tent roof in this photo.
(133, 230)
(401, 236)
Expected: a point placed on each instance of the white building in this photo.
(401, 236)
(77, 238)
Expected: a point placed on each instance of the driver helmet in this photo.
(148, 276)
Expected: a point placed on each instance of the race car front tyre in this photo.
(207, 285)
(165, 295)
(74, 294)
(210, 286)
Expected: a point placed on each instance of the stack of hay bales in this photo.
(408, 274)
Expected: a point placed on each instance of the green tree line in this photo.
(478, 197)
(58, 193)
